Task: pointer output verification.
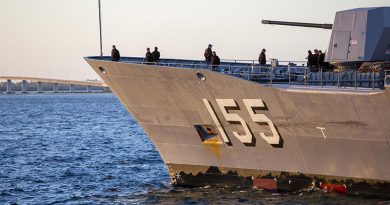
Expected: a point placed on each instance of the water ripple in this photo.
(87, 149)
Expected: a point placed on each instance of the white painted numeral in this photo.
(216, 121)
(250, 104)
(223, 104)
(261, 118)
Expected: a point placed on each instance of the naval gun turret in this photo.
(360, 38)
(300, 24)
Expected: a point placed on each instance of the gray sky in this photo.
(49, 38)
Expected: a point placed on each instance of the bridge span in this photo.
(88, 85)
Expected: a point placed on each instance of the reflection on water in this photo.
(86, 149)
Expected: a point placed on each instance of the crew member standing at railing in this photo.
(321, 59)
(156, 55)
(148, 56)
(310, 59)
(115, 55)
(208, 53)
(215, 61)
(262, 58)
(316, 56)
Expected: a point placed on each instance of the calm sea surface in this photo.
(87, 149)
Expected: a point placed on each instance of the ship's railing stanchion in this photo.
(289, 75)
(305, 76)
(338, 78)
(373, 79)
(271, 75)
(321, 76)
(249, 71)
(355, 78)
(273, 65)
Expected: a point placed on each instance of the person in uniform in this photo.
(321, 59)
(262, 58)
(148, 56)
(310, 59)
(208, 53)
(115, 55)
(156, 55)
(316, 56)
(215, 61)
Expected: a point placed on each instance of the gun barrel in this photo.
(300, 24)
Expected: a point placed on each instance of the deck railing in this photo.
(281, 72)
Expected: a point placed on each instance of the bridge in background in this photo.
(88, 85)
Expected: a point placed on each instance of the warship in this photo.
(278, 128)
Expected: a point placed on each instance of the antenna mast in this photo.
(100, 30)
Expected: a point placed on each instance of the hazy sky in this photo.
(49, 38)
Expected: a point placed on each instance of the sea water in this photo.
(87, 149)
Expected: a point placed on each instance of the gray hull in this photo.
(343, 138)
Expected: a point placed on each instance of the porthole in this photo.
(102, 70)
(200, 76)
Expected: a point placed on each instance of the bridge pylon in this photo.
(9, 87)
(24, 87)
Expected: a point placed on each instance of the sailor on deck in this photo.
(321, 59)
(262, 58)
(310, 59)
(156, 55)
(316, 65)
(215, 61)
(115, 55)
(208, 53)
(148, 56)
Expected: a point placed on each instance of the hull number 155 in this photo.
(250, 105)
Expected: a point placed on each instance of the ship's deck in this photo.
(328, 89)
(289, 77)
(182, 63)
